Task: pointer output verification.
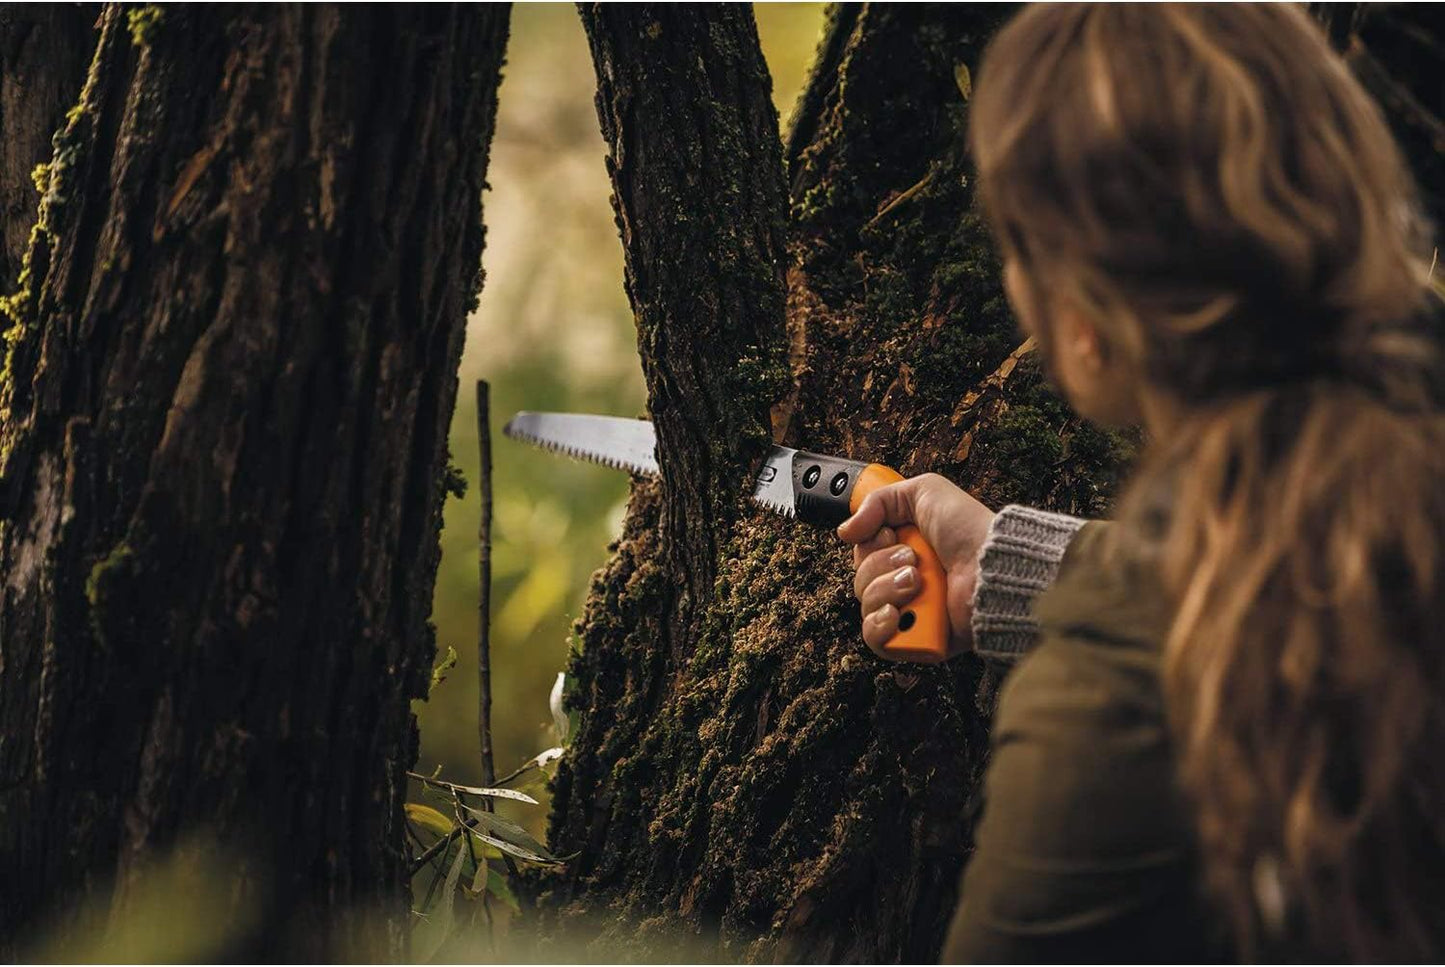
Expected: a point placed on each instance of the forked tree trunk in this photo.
(745, 771)
(231, 371)
(750, 773)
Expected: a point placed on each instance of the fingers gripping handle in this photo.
(923, 623)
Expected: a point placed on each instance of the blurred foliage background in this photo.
(553, 331)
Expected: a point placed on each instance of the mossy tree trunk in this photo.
(752, 774)
(231, 368)
(44, 48)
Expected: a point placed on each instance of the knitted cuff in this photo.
(1018, 561)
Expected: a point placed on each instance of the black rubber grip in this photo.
(822, 486)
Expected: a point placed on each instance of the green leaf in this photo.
(428, 818)
(445, 903)
(520, 852)
(497, 793)
(482, 848)
(963, 79)
(498, 887)
(511, 832)
(479, 881)
(439, 672)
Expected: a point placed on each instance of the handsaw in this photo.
(815, 488)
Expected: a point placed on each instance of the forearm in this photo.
(1018, 562)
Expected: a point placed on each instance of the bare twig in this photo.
(484, 592)
(484, 599)
(531, 763)
(433, 850)
(458, 790)
(900, 199)
(411, 856)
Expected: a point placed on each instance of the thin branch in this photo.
(531, 763)
(484, 575)
(435, 848)
(438, 783)
(900, 199)
(411, 857)
(484, 603)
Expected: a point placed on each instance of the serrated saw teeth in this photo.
(630, 445)
(563, 433)
(774, 506)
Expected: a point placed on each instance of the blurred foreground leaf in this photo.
(193, 905)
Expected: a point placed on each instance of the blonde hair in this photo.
(1214, 189)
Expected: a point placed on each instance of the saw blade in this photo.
(608, 440)
(774, 487)
(631, 445)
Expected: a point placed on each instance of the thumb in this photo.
(891, 505)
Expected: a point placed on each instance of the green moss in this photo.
(94, 591)
(18, 308)
(98, 586)
(754, 779)
(442, 669)
(143, 22)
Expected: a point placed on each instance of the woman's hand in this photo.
(954, 525)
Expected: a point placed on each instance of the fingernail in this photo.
(902, 556)
(884, 614)
(839, 530)
(904, 578)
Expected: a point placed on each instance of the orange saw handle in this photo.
(923, 622)
(826, 490)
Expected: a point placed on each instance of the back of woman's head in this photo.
(1211, 187)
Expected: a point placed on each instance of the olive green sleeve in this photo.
(1082, 851)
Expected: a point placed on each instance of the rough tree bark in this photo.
(230, 371)
(44, 48)
(751, 773)
(744, 770)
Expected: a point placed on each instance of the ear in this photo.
(1082, 338)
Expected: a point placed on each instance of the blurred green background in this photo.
(553, 331)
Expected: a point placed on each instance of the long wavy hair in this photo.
(1215, 190)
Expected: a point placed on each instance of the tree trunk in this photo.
(751, 774)
(744, 770)
(231, 368)
(44, 48)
